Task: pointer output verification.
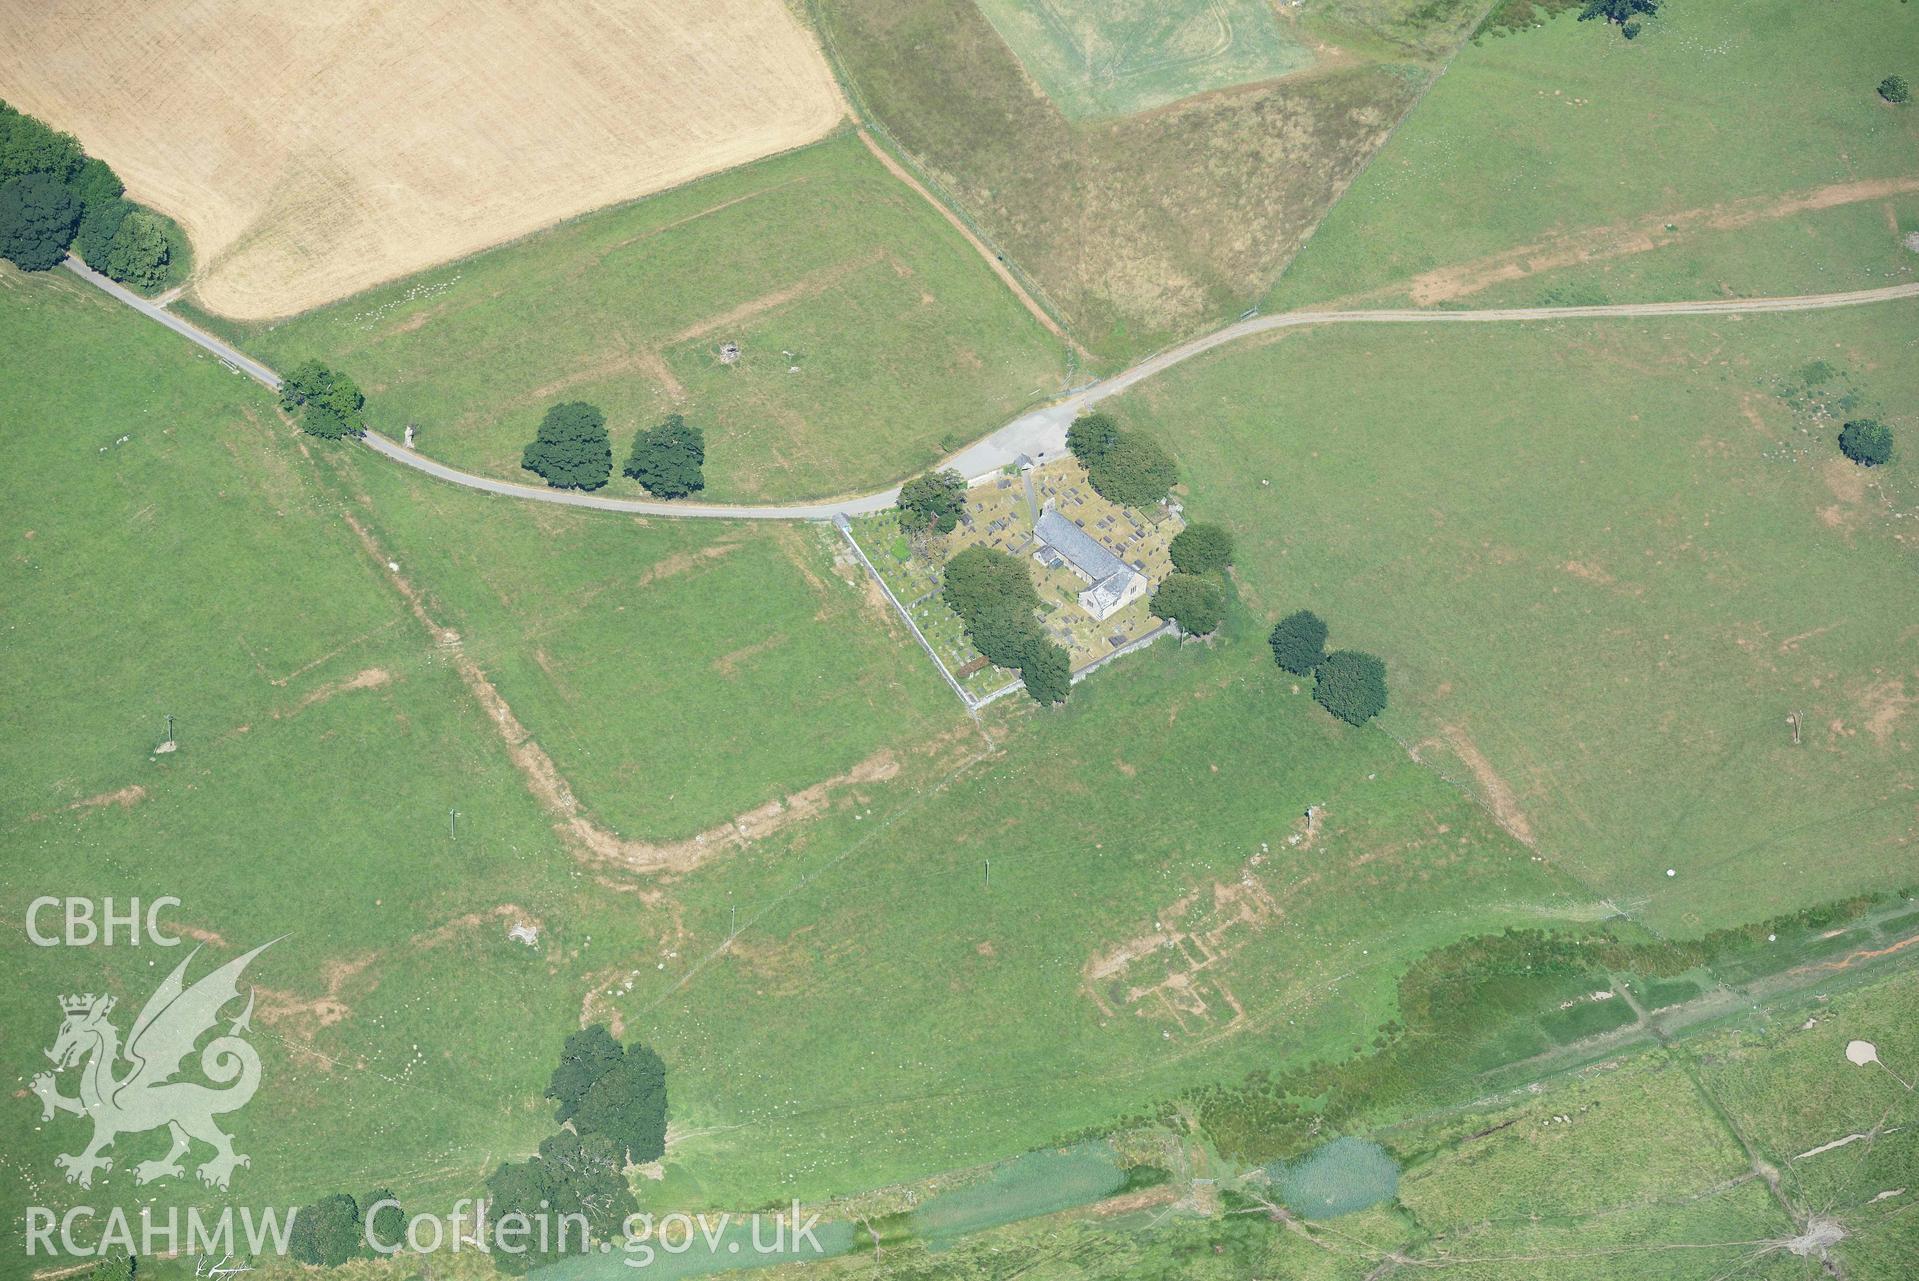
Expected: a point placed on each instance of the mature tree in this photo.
(588, 1055)
(1351, 685)
(573, 1174)
(95, 181)
(98, 225)
(329, 402)
(28, 146)
(1617, 11)
(1124, 466)
(1134, 471)
(571, 450)
(1893, 89)
(382, 1223)
(1866, 441)
(1197, 604)
(668, 459)
(628, 1105)
(37, 218)
(308, 380)
(519, 1188)
(993, 595)
(1047, 670)
(1299, 642)
(585, 1176)
(933, 501)
(139, 251)
(327, 1232)
(1201, 548)
(1090, 436)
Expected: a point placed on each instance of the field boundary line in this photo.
(972, 705)
(995, 260)
(881, 142)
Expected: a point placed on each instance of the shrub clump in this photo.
(1894, 90)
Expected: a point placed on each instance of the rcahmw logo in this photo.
(128, 1087)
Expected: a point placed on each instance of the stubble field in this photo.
(314, 152)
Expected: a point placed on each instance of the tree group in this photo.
(335, 1229)
(54, 197)
(1622, 13)
(571, 450)
(1194, 594)
(1124, 466)
(327, 402)
(1893, 89)
(993, 595)
(614, 1099)
(668, 460)
(932, 502)
(1349, 684)
(619, 1093)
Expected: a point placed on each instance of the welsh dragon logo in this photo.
(130, 1089)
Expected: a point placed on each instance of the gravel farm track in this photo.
(1037, 435)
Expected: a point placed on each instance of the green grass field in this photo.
(1140, 229)
(171, 555)
(1677, 165)
(1106, 59)
(869, 332)
(926, 1011)
(1604, 562)
(678, 672)
(857, 1029)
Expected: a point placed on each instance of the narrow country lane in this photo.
(1038, 435)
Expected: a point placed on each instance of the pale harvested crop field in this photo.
(311, 151)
